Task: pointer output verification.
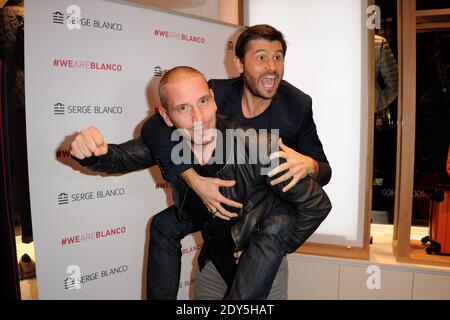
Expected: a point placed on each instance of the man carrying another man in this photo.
(188, 104)
(260, 99)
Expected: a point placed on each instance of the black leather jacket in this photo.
(252, 188)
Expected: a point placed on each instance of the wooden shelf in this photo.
(433, 13)
(427, 20)
(334, 251)
(429, 26)
(417, 254)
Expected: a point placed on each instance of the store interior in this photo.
(431, 133)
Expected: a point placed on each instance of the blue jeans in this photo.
(257, 267)
(261, 258)
(164, 256)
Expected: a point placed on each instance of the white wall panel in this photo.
(327, 59)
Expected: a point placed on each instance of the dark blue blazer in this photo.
(290, 112)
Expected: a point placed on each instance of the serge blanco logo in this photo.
(230, 45)
(73, 280)
(73, 20)
(158, 71)
(76, 279)
(61, 109)
(65, 198)
(58, 17)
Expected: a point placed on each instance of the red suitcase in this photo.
(440, 221)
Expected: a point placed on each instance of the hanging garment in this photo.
(385, 74)
(12, 52)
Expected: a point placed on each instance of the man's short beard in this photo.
(254, 90)
(204, 142)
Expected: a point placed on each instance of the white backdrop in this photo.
(327, 59)
(98, 62)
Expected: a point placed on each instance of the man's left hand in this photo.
(297, 165)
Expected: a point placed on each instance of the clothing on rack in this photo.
(385, 74)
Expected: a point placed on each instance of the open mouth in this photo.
(268, 81)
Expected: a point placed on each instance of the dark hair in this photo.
(260, 31)
(173, 74)
(11, 3)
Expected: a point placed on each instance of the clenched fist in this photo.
(89, 142)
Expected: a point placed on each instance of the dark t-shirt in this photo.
(218, 245)
(261, 121)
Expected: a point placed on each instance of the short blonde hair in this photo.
(173, 75)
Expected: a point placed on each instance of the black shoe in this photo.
(27, 267)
